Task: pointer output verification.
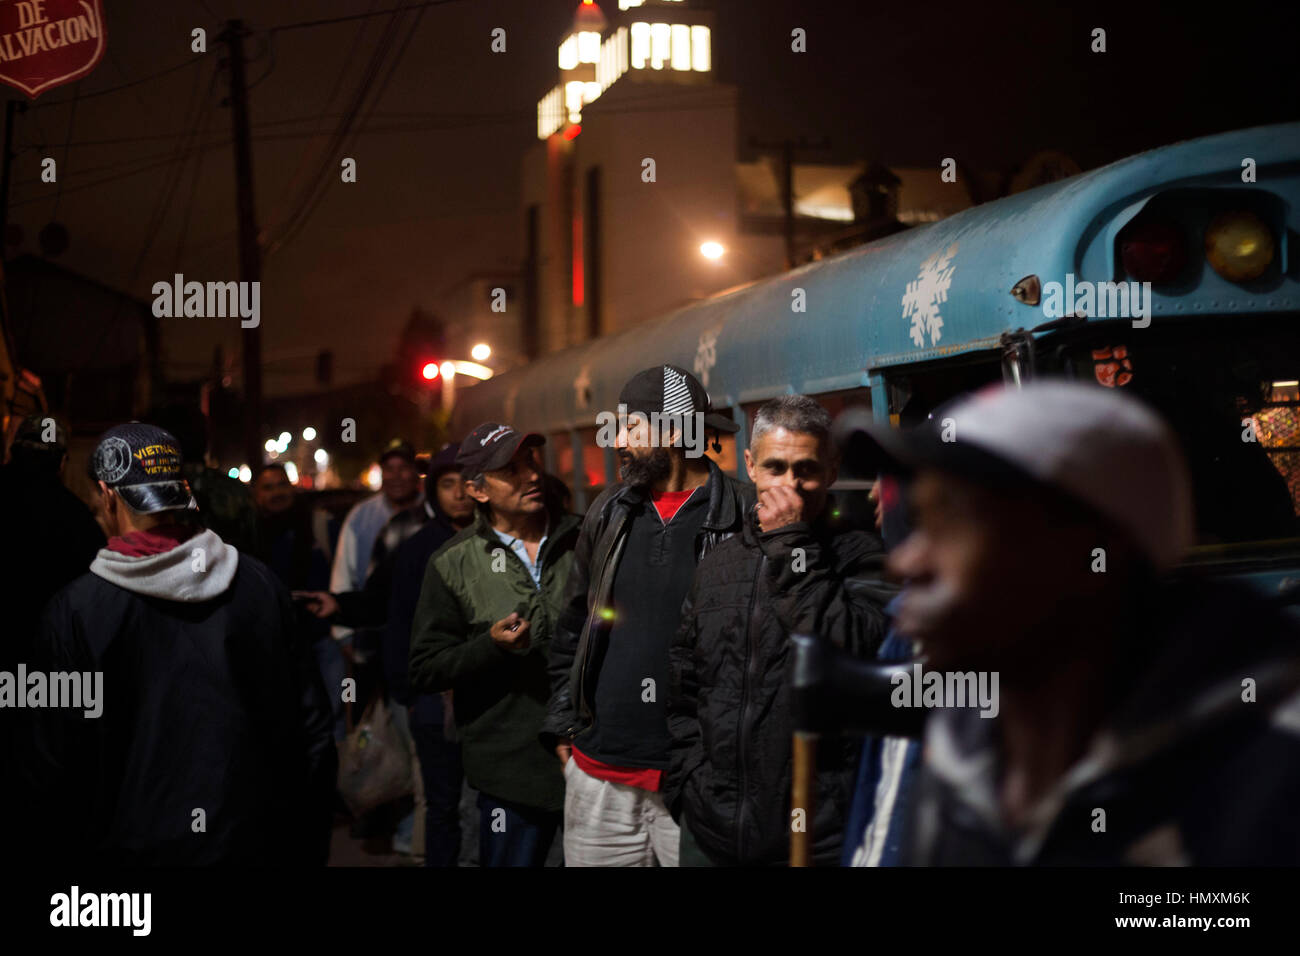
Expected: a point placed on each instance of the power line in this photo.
(194, 61)
(301, 165)
(347, 147)
(72, 115)
(359, 16)
(277, 234)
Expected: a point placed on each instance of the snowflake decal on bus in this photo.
(925, 293)
(706, 355)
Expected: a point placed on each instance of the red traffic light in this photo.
(430, 371)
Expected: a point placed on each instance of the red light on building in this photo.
(430, 371)
(579, 280)
(572, 132)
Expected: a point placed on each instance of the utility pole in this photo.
(11, 107)
(787, 147)
(250, 255)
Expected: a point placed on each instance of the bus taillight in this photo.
(1239, 246)
(1153, 251)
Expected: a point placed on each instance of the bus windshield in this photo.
(1230, 387)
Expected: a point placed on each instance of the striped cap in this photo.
(669, 390)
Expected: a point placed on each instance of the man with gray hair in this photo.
(788, 571)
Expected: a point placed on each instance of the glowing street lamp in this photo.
(480, 352)
(308, 433)
(712, 250)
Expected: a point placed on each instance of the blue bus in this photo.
(1168, 274)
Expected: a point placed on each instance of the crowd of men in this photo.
(616, 689)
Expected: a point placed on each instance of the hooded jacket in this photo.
(215, 741)
(1197, 762)
(580, 635)
(729, 685)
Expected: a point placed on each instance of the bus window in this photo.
(725, 459)
(1228, 389)
(563, 460)
(593, 464)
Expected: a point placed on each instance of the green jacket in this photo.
(500, 695)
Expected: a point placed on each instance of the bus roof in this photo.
(923, 294)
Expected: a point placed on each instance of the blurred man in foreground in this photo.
(1141, 718)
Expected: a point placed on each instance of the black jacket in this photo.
(210, 703)
(579, 634)
(729, 686)
(1197, 761)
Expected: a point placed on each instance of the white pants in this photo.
(612, 824)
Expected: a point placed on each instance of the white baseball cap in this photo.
(1099, 446)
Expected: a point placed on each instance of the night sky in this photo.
(146, 184)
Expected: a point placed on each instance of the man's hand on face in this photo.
(511, 632)
(778, 507)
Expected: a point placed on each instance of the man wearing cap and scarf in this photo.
(483, 630)
(1140, 717)
(213, 743)
(641, 540)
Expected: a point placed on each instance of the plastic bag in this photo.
(374, 763)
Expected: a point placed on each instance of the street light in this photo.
(712, 250)
(308, 433)
(448, 369)
(480, 352)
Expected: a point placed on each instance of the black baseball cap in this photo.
(36, 428)
(142, 463)
(491, 446)
(402, 449)
(669, 390)
(437, 466)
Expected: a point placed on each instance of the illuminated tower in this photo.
(647, 41)
(609, 245)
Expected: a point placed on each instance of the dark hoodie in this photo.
(211, 703)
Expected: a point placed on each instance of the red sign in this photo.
(46, 43)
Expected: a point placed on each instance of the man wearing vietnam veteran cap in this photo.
(640, 543)
(1141, 717)
(211, 701)
(483, 630)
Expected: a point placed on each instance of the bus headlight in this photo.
(1239, 246)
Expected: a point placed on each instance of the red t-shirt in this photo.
(637, 777)
(668, 503)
